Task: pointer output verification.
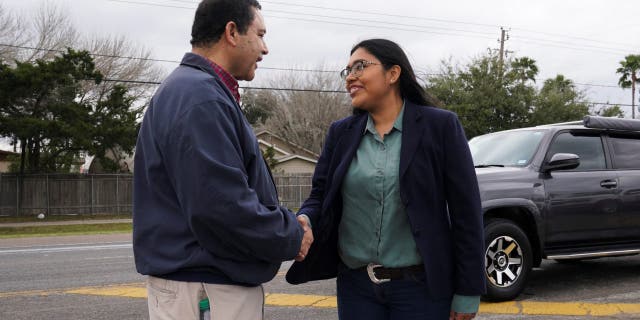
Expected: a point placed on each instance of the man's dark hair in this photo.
(212, 17)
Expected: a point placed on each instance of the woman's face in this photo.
(368, 82)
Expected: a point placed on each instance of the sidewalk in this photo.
(62, 223)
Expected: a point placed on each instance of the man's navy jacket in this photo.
(205, 206)
(438, 187)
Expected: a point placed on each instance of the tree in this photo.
(51, 31)
(558, 101)
(257, 106)
(49, 28)
(138, 73)
(12, 33)
(629, 70)
(486, 97)
(269, 155)
(303, 117)
(40, 108)
(612, 112)
(115, 129)
(524, 69)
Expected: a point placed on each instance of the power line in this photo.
(421, 29)
(596, 85)
(359, 11)
(546, 44)
(571, 37)
(269, 68)
(322, 91)
(366, 12)
(242, 87)
(574, 44)
(158, 60)
(609, 104)
(90, 53)
(538, 41)
(379, 27)
(379, 21)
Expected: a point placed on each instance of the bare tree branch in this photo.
(12, 31)
(107, 52)
(52, 29)
(304, 117)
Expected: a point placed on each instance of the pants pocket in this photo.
(161, 290)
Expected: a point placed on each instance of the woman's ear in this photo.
(394, 74)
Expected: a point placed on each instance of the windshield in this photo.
(512, 148)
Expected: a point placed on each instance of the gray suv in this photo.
(565, 191)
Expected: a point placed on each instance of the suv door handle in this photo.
(609, 184)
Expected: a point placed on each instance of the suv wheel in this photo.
(508, 260)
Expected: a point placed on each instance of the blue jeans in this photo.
(402, 299)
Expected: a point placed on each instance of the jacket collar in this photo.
(411, 135)
(198, 62)
(412, 132)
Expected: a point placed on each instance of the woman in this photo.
(395, 206)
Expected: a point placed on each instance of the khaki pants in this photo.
(176, 300)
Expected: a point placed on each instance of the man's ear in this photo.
(231, 33)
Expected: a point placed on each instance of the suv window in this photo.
(588, 147)
(511, 148)
(626, 152)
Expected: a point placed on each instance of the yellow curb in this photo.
(138, 290)
(121, 291)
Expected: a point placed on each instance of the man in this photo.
(206, 218)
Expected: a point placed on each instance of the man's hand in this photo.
(461, 316)
(307, 239)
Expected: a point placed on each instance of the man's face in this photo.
(251, 47)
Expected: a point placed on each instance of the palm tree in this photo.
(629, 69)
(524, 69)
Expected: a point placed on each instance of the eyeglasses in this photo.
(356, 69)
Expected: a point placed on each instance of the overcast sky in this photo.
(581, 39)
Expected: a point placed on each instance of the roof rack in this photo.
(611, 123)
(577, 123)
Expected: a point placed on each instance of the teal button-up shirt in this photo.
(374, 226)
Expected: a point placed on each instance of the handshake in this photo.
(307, 238)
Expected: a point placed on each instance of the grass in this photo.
(64, 230)
(67, 217)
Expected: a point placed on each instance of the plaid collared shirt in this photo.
(227, 79)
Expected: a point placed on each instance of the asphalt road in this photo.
(37, 276)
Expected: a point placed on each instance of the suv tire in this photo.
(508, 260)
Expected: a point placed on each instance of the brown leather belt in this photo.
(379, 274)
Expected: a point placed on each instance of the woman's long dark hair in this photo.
(389, 53)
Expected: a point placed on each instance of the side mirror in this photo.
(562, 161)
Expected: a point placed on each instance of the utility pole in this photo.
(503, 35)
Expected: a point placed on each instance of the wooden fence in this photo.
(82, 194)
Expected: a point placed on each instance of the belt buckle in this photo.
(372, 274)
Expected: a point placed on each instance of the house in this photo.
(124, 160)
(6, 159)
(289, 157)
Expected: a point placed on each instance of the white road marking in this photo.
(64, 244)
(66, 248)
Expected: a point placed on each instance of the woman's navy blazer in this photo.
(438, 187)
